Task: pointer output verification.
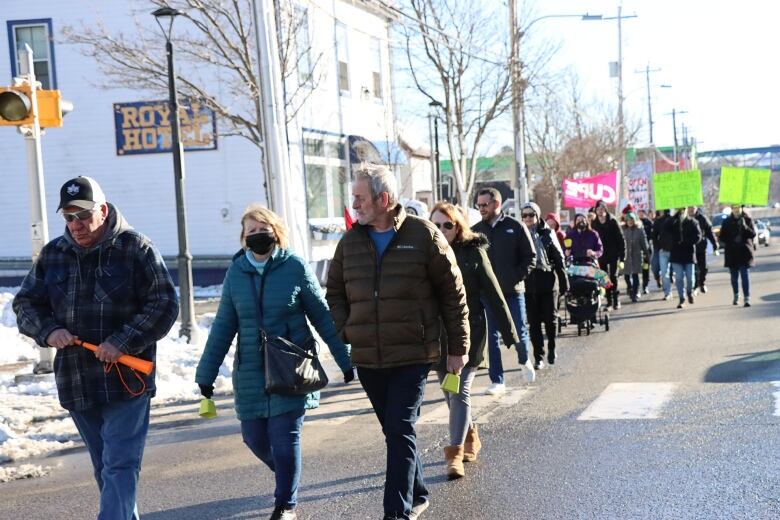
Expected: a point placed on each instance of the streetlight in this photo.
(187, 305)
(518, 118)
(436, 187)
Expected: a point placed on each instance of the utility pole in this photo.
(647, 72)
(674, 133)
(39, 229)
(518, 124)
(621, 124)
(275, 138)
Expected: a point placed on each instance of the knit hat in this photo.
(629, 208)
(534, 207)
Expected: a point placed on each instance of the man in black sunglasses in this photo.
(513, 256)
(103, 283)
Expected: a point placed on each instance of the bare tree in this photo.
(567, 135)
(216, 58)
(457, 57)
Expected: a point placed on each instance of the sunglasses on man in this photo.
(84, 214)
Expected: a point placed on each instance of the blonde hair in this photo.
(462, 230)
(265, 216)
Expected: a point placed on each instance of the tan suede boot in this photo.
(472, 445)
(453, 456)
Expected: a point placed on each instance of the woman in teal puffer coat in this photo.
(265, 269)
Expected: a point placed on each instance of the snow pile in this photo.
(13, 346)
(32, 423)
(23, 471)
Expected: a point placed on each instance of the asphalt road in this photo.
(670, 414)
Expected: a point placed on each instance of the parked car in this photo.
(763, 233)
(717, 221)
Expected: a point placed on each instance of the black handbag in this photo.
(289, 368)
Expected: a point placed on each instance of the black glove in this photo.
(206, 391)
(349, 375)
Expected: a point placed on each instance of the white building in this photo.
(103, 138)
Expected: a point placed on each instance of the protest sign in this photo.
(639, 185)
(586, 192)
(677, 189)
(744, 186)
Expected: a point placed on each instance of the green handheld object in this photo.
(208, 410)
(451, 383)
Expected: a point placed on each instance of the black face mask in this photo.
(261, 243)
(581, 226)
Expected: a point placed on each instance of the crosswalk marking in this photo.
(776, 384)
(629, 401)
(482, 406)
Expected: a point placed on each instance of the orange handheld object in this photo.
(133, 362)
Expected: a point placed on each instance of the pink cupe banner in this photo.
(586, 192)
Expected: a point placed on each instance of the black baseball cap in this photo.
(83, 192)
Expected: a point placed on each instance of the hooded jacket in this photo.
(117, 291)
(290, 294)
(512, 253)
(559, 233)
(391, 312)
(482, 290)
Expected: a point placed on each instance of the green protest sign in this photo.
(677, 189)
(744, 186)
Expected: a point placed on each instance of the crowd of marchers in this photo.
(404, 296)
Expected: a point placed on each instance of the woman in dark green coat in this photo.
(481, 286)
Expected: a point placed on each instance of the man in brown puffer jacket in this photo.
(392, 284)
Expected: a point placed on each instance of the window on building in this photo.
(303, 45)
(327, 178)
(38, 35)
(342, 57)
(376, 67)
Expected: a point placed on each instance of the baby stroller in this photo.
(583, 301)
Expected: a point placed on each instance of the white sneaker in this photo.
(528, 372)
(496, 389)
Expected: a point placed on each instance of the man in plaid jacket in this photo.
(103, 283)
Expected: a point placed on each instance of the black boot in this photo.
(615, 300)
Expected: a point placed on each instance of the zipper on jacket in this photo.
(377, 277)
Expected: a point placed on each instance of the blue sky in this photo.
(718, 56)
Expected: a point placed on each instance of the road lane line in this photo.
(776, 384)
(629, 401)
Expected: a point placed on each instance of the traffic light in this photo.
(16, 107)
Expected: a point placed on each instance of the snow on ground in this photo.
(32, 423)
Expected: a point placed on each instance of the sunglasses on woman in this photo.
(84, 214)
(444, 225)
(528, 215)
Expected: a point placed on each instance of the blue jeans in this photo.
(516, 304)
(740, 272)
(663, 263)
(679, 271)
(396, 395)
(277, 442)
(115, 434)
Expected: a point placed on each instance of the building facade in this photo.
(121, 136)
